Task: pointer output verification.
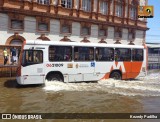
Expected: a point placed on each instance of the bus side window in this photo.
(104, 54)
(111, 54)
(137, 54)
(68, 54)
(122, 54)
(97, 54)
(83, 53)
(60, 53)
(117, 55)
(32, 57)
(38, 57)
(76, 56)
(91, 54)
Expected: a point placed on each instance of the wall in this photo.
(30, 32)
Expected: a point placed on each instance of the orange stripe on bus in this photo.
(132, 70)
(106, 76)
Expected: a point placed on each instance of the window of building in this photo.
(66, 3)
(17, 24)
(86, 5)
(131, 34)
(31, 57)
(104, 54)
(133, 9)
(60, 53)
(133, 13)
(65, 27)
(103, 31)
(103, 7)
(117, 32)
(119, 8)
(46, 2)
(85, 31)
(137, 54)
(43, 26)
(83, 53)
(16, 42)
(122, 54)
(77, 4)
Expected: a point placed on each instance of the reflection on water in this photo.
(107, 96)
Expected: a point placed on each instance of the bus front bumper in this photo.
(19, 80)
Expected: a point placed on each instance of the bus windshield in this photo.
(31, 57)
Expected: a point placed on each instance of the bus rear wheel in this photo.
(55, 77)
(116, 76)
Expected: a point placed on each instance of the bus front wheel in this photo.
(116, 76)
(55, 77)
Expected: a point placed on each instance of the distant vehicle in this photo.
(76, 62)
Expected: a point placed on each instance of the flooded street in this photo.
(108, 96)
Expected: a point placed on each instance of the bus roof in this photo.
(40, 42)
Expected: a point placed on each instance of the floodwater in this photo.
(107, 96)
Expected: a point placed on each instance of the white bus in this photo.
(76, 62)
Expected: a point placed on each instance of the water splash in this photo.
(148, 86)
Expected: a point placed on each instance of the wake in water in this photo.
(148, 86)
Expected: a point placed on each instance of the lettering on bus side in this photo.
(55, 65)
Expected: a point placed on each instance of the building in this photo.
(153, 55)
(98, 21)
(153, 48)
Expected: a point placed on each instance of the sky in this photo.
(153, 34)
